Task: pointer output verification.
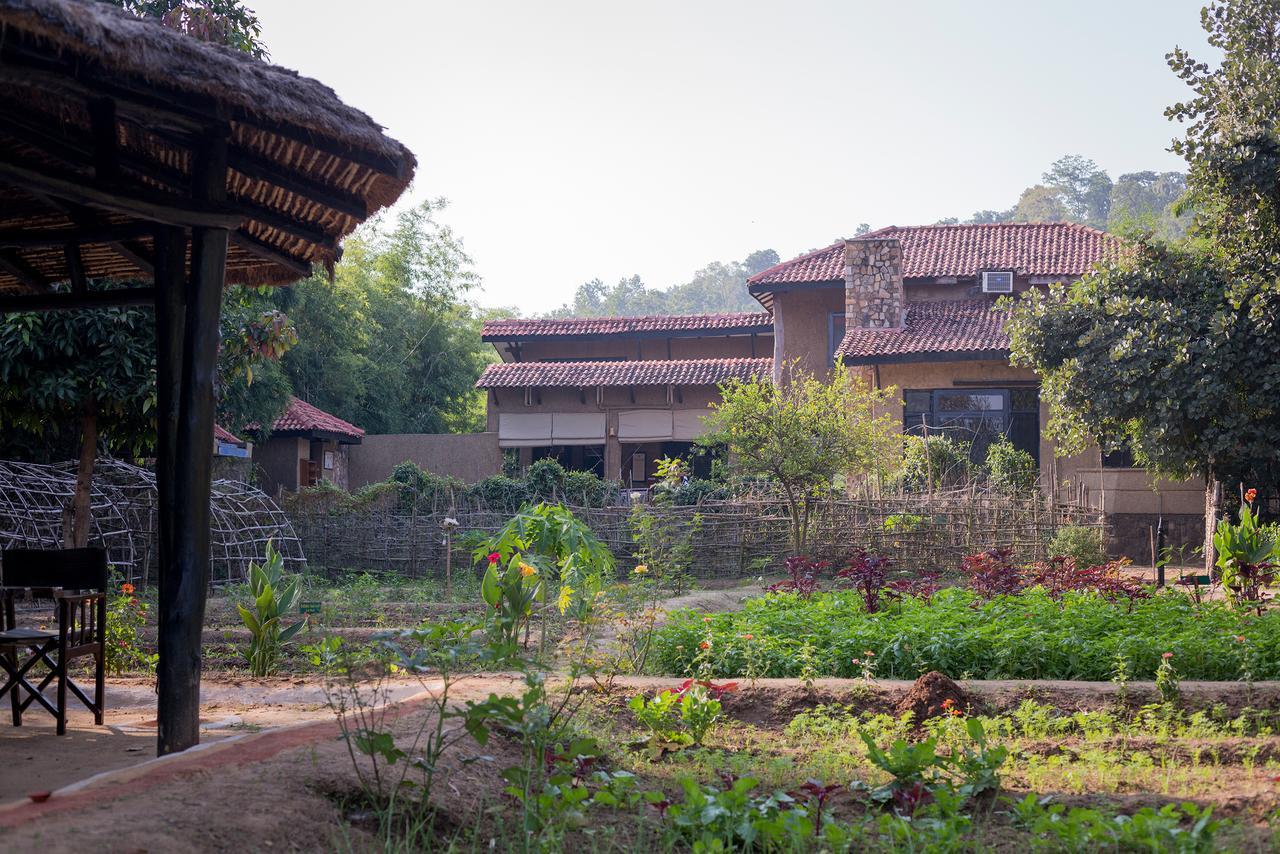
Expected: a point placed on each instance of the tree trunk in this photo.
(1212, 508)
(77, 537)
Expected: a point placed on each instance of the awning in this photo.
(537, 430)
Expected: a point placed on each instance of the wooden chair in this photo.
(76, 580)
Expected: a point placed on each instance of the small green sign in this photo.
(308, 607)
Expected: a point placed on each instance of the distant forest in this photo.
(1074, 189)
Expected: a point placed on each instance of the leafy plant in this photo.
(992, 573)
(869, 574)
(804, 576)
(1011, 469)
(1168, 681)
(126, 617)
(510, 591)
(272, 598)
(1248, 554)
(699, 712)
(933, 462)
(1083, 545)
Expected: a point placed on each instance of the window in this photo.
(975, 417)
(835, 334)
(1118, 459)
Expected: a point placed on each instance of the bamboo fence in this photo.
(734, 538)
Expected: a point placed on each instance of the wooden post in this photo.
(184, 509)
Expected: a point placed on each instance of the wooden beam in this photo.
(256, 166)
(67, 301)
(106, 139)
(79, 152)
(25, 238)
(152, 205)
(253, 245)
(130, 250)
(15, 265)
(75, 268)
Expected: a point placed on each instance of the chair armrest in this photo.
(80, 597)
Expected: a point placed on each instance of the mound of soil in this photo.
(929, 695)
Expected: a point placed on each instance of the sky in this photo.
(582, 140)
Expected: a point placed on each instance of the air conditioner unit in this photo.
(1000, 282)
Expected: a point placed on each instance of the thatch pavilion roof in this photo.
(304, 168)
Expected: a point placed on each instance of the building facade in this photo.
(907, 307)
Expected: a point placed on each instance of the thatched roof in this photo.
(305, 168)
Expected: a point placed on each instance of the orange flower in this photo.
(1166, 656)
(1239, 638)
(748, 636)
(526, 570)
(1250, 495)
(948, 703)
(955, 713)
(126, 588)
(704, 645)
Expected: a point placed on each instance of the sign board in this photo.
(308, 607)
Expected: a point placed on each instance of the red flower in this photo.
(704, 645)
(494, 557)
(1250, 495)
(1166, 656)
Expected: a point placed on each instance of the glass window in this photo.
(835, 334)
(958, 401)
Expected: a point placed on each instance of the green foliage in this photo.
(1186, 829)
(510, 590)
(659, 714)
(501, 494)
(932, 463)
(390, 344)
(802, 434)
(273, 597)
(549, 536)
(126, 618)
(1010, 469)
(664, 546)
(1025, 636)
(224, 22)
(1083, 545)
(1248, 553)
(545, 480)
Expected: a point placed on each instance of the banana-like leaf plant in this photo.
(274, 597)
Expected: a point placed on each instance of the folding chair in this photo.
(81, 627)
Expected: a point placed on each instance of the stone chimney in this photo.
(873, 284)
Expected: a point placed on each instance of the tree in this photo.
(390, 344)
(224, 22)
(1040, 204)
(1083, 189)
(803, 434)
(1152, 352)
(1150, 201)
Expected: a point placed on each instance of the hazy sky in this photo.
(578, 140)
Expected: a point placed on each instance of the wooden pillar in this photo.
(186, 463)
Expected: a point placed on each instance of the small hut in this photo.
(305, 446)
(128, 152)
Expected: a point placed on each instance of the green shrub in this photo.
(545, 480)
(691, 491)
(1081, 544)
(272, 597)
(501, 493)
(1025, 636)
(1011, 469)
(585, 489)
(934, 462)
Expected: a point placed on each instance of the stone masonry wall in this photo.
(873, 284)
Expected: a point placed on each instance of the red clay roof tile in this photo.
(301, 417)
(942, 328)
(599, 373)
(570, 327)
(1027, 248)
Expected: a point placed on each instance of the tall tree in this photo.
(390, 344)
(1084, 189)
(1040, 204)
(1171, 349)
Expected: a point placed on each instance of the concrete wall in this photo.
(802, 327)
(469, 457)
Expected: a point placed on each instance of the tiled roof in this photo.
(301, 417)
(943, 328)
(1027, 248)
(572, 327)
(222, 434)
(591, 374)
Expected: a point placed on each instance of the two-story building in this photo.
(908, 307)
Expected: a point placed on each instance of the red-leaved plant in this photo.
(869, 574)
(992, 573)
(1060, 575)
(804, 580)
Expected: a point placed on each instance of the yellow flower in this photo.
(641, 569)
(526, 570)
